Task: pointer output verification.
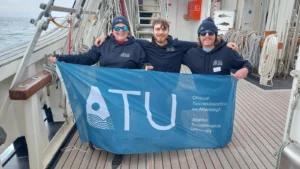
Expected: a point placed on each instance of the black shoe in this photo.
(117, 161)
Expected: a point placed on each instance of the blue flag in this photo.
(136, 111)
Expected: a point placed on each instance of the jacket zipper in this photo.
(207, 66)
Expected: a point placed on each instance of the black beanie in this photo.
(120, 19)
(208, 24)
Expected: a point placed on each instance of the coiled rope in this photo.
(251, 50)
(268, 60)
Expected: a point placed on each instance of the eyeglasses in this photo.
(210, 33)
(118, 28)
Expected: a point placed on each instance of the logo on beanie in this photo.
(202, 28)
(120, 20)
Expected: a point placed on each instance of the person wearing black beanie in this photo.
(212, 56)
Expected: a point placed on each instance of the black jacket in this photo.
(218, 61)
(166, 58)
(111, 54)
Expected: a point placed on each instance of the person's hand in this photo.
(98, 42)
(242, 73)
(148, 68)
(233, 46)
(52, 59)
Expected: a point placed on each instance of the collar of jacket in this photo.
(171, 42)
(130, 40)
(216, 48)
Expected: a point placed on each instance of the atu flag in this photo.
(128, 111)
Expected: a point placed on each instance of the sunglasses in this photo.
(118, 28)
(210, 33)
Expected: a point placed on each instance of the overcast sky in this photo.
(27, 8)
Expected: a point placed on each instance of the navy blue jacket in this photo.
(218, 61)
(166, 58)
(111, 54)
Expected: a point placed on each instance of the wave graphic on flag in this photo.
(97, 122)
(97, 113)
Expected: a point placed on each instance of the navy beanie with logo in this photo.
(120, 19)
(208, 24)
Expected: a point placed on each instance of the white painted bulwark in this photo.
(33, 133)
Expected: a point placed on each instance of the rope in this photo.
(251, 50)
(82, 48)
(73, 148)
(237, 37)
(112, 8)
(70, 37)
(268, 60)
(62, 26)
(296, 95)
(57, 24)
(132, 14)
(51, 68)
(215, 8)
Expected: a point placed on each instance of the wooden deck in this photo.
(258, 131)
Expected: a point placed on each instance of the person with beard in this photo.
(212, 56)
(164, 53)
(118, 51)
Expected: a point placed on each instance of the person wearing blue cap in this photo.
(118, 51)
(212, 56)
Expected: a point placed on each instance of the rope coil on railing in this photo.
(237, 37)
(268, 60)
(51, 68)
(251, 50)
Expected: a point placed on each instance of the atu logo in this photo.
(98, 115)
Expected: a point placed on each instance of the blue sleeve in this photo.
(89, 58)
(186, 45)
(238, 62)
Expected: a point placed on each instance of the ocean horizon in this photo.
(15, 31)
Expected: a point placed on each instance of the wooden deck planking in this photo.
(244, 154)
(223, 159)
(166, 159)
(66, 154)
(258, 130)
(86, 159)
(174, 160)
(182, 159)
(94, 160)
(142, 161)
(260, 105)
(126, 162)
(134, 161)
(206, 158)
(266, 101)
(79, 158)
(261, 127)
(257, 115)
(233, 157)
(190, 158)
